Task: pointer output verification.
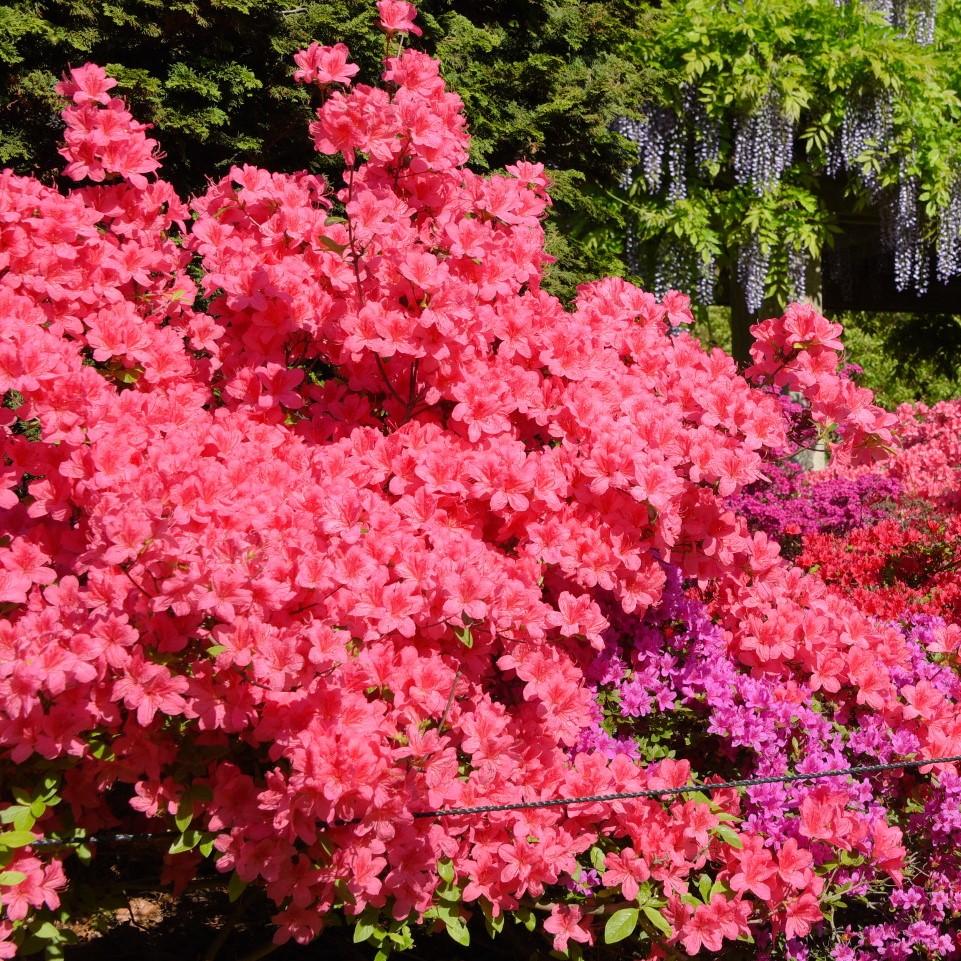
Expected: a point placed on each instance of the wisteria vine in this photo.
(679, 143)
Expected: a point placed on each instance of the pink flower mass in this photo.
(318, 512)
(397, 16)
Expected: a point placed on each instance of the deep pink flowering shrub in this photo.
(928, 460)
(898, 559)
(318, 513)
(791, 502)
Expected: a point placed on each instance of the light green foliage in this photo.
(905, 357)
(621, 925)
(817, 58)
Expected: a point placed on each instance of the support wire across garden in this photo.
(648, 793)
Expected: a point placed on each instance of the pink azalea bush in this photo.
(887, 537)
(318, 513)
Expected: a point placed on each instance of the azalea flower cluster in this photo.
(910, 562)
(791, 502)
(318, 513)
(907, 558)
(928, 461)
(887, 538)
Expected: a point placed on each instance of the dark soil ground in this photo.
(156, 928)
(124, 915)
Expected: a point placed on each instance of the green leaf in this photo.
(526, 917)
(216, 649)
(597, 859)
(235, 887)
(450, 893)
(402, 936)
(621, 925)
(16, 839)
(9, 878)
(494, 925)
(102, 752)
(363, 931)
(332, 244)
(457, 930)
(22, 796)
(47, 932)
(719, 887)
(465, 637)
(187, 841)
(8, 814)
(443, 910)
(729, 836)
(726, 816)
(657, 919)
(645, 893)
(445, 870)
(704, 884)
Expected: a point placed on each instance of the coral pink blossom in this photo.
(566, 923)
(323, 65)
(320, 513)
(397, 16)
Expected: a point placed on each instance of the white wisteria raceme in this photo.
(920, 18)
(901, 233)
(677, 260)
(948, 244)
(654, 135)
(759, 143)
(752, 267)
(867, 126)
(763, 146)
(797, 265)
(705, 129)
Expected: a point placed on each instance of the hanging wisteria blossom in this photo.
(704, 129)
(681, 147)
(925, 23)
(867, 125)
(651, 134)
(763, 146)
(678, 266)
(949, 237)
(902, 15)
(797, 265)
(901, 233)
(894, 11)
(632, 250)
(706, 279)
(752, 265)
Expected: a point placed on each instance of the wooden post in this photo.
(741, 320)
(813, 295)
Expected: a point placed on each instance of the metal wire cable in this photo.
(697, 787)
(686, 789)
